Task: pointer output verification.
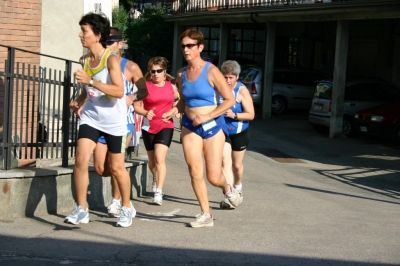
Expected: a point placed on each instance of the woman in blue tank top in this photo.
(237, 120)
(200, 84)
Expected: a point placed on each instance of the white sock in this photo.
(117, 200)
(158, 190)
(238, 187)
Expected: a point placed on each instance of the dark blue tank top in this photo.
(199, 92)
(235, 126)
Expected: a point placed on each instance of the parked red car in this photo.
(383, 120)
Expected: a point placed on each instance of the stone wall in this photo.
(42, 191)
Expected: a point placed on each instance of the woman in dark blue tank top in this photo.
(237, 122)
(200, 84)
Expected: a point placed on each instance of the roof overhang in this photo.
(350, 10)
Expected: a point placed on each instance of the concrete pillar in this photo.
(339, 78)
(268, 71)
(177, 57)
(223, 43)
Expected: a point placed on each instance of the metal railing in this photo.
(186, 6)
(37, 122)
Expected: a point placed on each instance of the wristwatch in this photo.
(91, 82)
(235, 117)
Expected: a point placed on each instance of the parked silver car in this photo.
(359, 94)
(293, 88)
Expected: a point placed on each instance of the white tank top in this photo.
(101, 111)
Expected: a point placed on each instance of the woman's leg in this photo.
(116, 194)
(193, 150)
(160, 153)
(227, 163)
(237, 165)
(84, 150)
(152, 162)
(118, 170)
(99, 158)
(213, 148)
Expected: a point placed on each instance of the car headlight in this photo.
(356, 116)
(376, 118)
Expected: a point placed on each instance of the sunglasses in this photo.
(111, 42)
(189, 45)
(156, 71)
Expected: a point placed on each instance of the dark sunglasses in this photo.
(111, 42)
(156, 70)
(189, 45)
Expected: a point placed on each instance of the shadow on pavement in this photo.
(55, 252)
(363, 162)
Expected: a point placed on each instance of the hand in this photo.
(166, 117)
(82, 77)
(130, 99)
(76, 108)
(230, 114)
(201, 119)
(150, 114)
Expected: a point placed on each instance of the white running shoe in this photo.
(78, 216)
(202, 220)
(225, 204)
(114, 209)
(127, 214)
(233, 196)
(158, 197)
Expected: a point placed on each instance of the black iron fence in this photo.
(37, 122)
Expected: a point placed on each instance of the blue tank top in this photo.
(235, 126)
(199, 92)
(129, 89)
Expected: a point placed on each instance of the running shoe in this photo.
(233, 196)
(127, 214)
(202, 220)
(78, 216)
(114, 209)
(158, 197)
(225, 204)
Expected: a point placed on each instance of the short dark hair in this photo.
(193, 34)
(115, 34)
(115, 31)
(99, 24)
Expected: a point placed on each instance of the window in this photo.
(292, 52)
(248, 75)
(247, 43)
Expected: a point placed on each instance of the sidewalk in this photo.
(308, 200)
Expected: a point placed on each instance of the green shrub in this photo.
(120, 18)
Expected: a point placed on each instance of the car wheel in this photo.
(348, 127)
(395, 134)
(279, 105)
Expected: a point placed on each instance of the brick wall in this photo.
(20, 22)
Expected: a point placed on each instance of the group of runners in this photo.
(216, 110)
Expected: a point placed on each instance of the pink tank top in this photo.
(162, 100)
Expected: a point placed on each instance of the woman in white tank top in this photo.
(103, 114)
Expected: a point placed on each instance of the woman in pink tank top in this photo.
(156, 131)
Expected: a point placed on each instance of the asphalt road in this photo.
(308, 200)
